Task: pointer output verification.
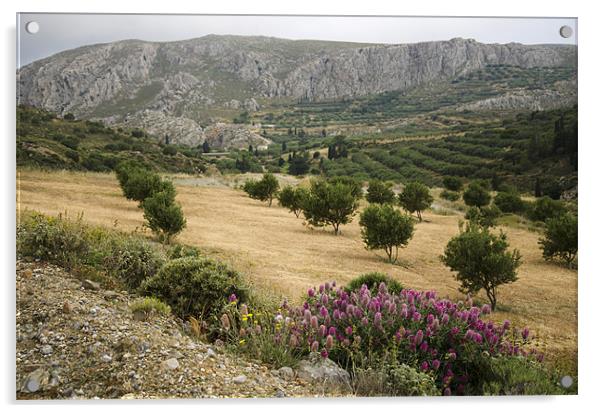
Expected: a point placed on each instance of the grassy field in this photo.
(279, 254)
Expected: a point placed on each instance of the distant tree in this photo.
(323, 133)
(537, 190)
(164, 216)
(137, 133)
(496, 181)
(509, 202)
(452, 183)
(485, 217)
(481, 260)
(69, 116)
(476, 195)
(415, 198)
(329, 204)
(281, 162)
(545, 208)
(138, 184)
(250, 148)
(380, 193)
(299, 164)
(170, 150)
(206, 148)
(560, 238)
(284, 145)
(316, 155)
(167, 140)
(384, 227)
(355, 184)
(264, 189)
(292, 199)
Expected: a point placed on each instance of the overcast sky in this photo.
(60, 32)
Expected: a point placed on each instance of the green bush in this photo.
(509, 202)
(196, 287)
(393, 380)
(292, 199)
(164, 216)
(373, 280)
(133, 260)
(476, 195)
(452, 183)
(330, 204)
(485, 217)
(149, 306)
(264, 190)
(450, 195)
(138, 183)
(545, 208)
(519, 376)
(415, 198)
(561, 237)
(380, 193)
(181, 251)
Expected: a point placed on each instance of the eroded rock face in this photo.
(150, 85)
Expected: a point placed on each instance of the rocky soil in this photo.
(78, 341)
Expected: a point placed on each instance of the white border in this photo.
(590, 137)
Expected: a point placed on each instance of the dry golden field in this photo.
(278, 253)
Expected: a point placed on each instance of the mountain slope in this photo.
(213, 77)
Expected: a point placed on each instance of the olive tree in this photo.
(380, 193)
(481, 260)
(138, 183)
(264, 189)
(330, 204)
(164, 216)
(560, 238)
(292, 199)
(476, 195)
(415, 198)
(384, 227)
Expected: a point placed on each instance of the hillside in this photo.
(181, 87)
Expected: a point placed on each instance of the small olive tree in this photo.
(485, 217)
(481, 261)
(264, 189)
(292, 199)
(384, 227)
(138, 183)
(380, 192)
(330, 204)
(560, 238)
(163, 215)
(476, 195)
(415, 198)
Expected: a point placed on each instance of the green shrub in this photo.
(476, 195)
(485, 217)
(53, 239)
(133, 260)
(330, 204)
(373, 280)
(292, 199)
(138, 184)
(452, 183)
(149, 306)
(415, 198)
(393, 380)
(164, 216)
(509, 202)
(519, 376)
(545, 208)
(450, 195)
(181, 251)
(196, 287)
(561, 238)
(264, 190)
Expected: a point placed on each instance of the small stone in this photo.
(90, 285)
(105, 358)
(286, 373)
(27, 274)
(239, 379)
(35, 381)
(46, 349)
(172, 363)
(211, 353)
(110, 295)
(67, 308)
(280, 393)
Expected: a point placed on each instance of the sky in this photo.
(58, 32)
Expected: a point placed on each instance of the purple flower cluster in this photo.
(435, 335)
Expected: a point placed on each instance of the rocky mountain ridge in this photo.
(147, 84)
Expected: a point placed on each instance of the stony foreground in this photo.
(77, 341)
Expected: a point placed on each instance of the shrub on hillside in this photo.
(476, 195)
(485, 217)
(149, 306)
(561, 238)
(373, 280)
(384, 227)
(545, 208)
(450, 195)
(481, 261)
(164, 216)
(452, 183)
(445, 339)
(415, 198)
(139, 184)
(181, 251)
(380, 192)
(353, 183)
(197, 287)
(509, 202)
(133, 260)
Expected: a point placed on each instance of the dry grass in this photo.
(279, 254)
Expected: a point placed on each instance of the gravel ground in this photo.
(78, 342)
